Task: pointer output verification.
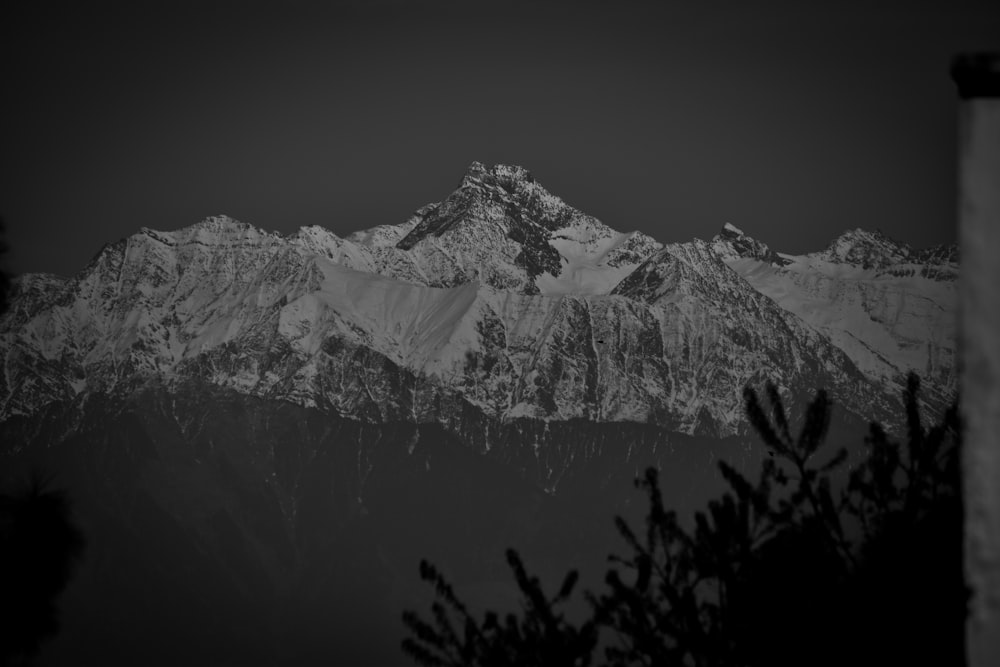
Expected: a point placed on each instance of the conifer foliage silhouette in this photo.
(542, 637)
(39, 546)
(821, 561)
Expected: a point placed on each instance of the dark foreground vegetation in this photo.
(39, 547)
(820, 561)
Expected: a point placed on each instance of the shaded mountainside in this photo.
(226, 528)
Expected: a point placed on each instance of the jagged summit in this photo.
(389, 235)
(733, 243)
(220, 221)
(503, 174)
(874, 250)
(856, 249)
(867, 249)
(211, 230)
(501, 226)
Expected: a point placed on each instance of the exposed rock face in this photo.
(731, 243)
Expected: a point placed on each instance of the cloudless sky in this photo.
(794, 121)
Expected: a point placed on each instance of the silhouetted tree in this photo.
(789, 571)
(541, 637)
(39, 545)
(808, 565)
(908, 589)
(718, 595)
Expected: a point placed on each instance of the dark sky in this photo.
(792, 122)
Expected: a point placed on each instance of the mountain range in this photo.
(501, 300)
(295, 414)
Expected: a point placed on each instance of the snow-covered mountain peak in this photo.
(507, 175)
(476, 171)
(384, 236)
(503, 228)
(733, 243)
(874, 253)
(866, 249)
(220, 221)
(891, 309)
(510, 184)
(213, 230)
(220, 224)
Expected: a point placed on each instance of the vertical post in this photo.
(978, 79)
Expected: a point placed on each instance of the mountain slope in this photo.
(891, 309)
